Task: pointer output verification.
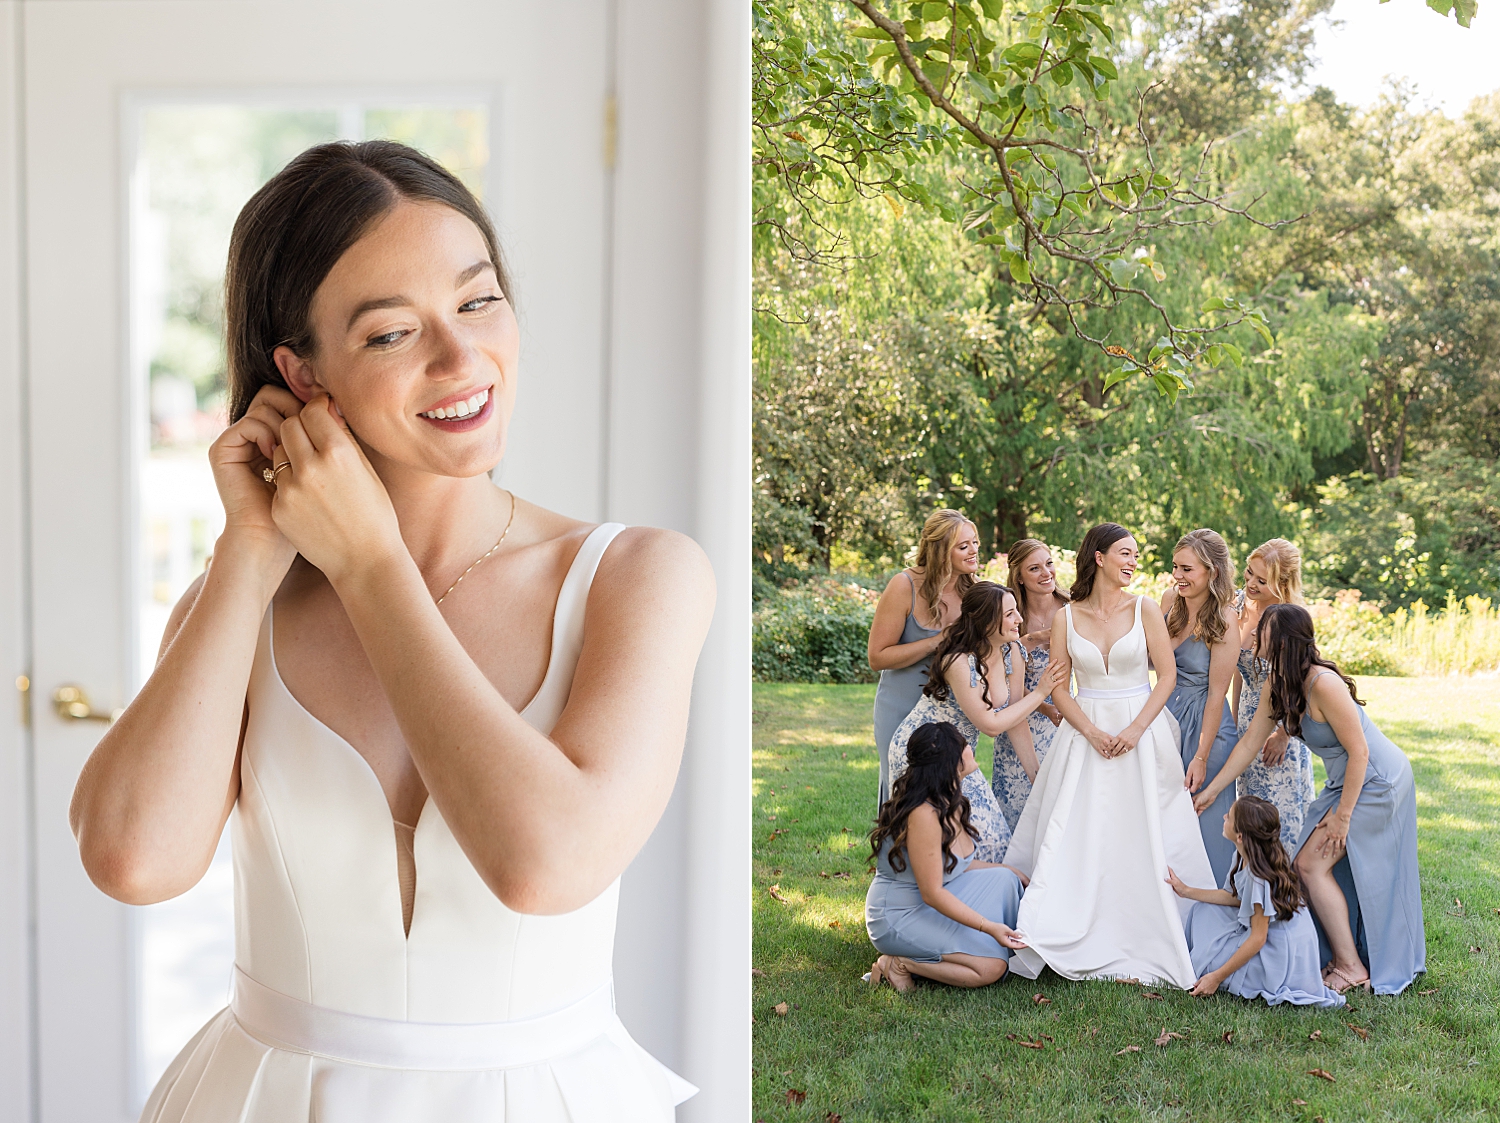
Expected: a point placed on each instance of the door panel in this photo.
(88, 66)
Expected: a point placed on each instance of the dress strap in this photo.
(1138, 610)
(546, 707)
(912, 585)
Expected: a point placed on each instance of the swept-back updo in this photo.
(293, 231)
(1096, 541)
(932, 758)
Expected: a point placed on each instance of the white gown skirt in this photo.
(1096, 838)
(269, 1058)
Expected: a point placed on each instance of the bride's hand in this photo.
(1102, 742)
(1126, 739)
(330, 503)
(238, 457)
(1197, 770)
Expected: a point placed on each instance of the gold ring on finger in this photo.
(270, 474)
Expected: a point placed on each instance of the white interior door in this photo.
(145, 122)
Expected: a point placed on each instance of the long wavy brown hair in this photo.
(1015, 558)
(934, 557)
(1284, 639)
(1210, 550)
(1097, 541)
(1258, 824)
(933, 756)
(983, 609)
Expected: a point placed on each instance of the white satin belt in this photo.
(1128, 692)
(289, 1023)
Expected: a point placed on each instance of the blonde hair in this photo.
(1209, 549)
(933, 556)
(1283, 563)
(1015, 558)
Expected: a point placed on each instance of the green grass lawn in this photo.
(844, 1052)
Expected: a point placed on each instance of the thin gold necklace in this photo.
(488, 552)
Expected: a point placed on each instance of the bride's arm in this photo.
(1159, 648)
(548, 821)
(151, 801)
(1066, 704)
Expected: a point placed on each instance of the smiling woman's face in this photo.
(416, 343)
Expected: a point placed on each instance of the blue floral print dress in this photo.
(1009, 782)
(1288, 785)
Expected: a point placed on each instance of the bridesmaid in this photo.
(917, 604)
(1033, 576)
(1358, 851)
(1201, 624)
(1283, 773)
(934, 908)
(960, 691)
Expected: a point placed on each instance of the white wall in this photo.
(15, 991)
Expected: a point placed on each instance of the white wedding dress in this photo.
(338, 1015)
(1097, 835)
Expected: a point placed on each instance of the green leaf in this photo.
(1265, 333)
(1122, 271)
(992, 8)
(1162, 347)
(1043, 206)
(982, 89)
(1034, 98)
(1212, 304)
(931, 13)
(1098, 21)
(1119, 374)
(1236, 356)
(1168, 385)
(1161, 179)
(1020, 270)
(1022, 54)
(870, 33)
(1215, 354)
(1104, 67)
(1070, 202)
(1015, 157)
(1062, 74)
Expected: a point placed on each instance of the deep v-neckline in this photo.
(1106, 654)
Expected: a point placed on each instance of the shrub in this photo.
(816, 630)
(1353, 633)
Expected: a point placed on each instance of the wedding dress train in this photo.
(1097, 835)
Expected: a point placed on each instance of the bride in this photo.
(1108, 813)
(444, 718)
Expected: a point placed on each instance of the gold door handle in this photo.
(72, 704)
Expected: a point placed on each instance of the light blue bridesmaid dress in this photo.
(898, 691)
(1187, 703)
(984, 812)
(1288, 786)
(901, 923)
(1007, 777)
(1378, 874)
(1287, 968)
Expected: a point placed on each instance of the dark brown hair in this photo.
(1258, 824)
(983, 609)
(293, 231)
(932, 758)
(1098, 540)
(1284, 639)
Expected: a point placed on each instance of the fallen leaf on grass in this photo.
(1128, 1049)
(775, 892)
(794, 1097)
(844, 874)
(757, 973)
(1321, 1074)
(781, 1009)
(1041, 1000)
(776, 873)
(772, 818)
(1475, 949)
(1299, 1103)
(834, 924)
(1129, 982)
(833, 1117)
(1359, 1031)
(1315, 1035)
(822, 873)
(1149, 994)
(1166, 1037)
(1434, 990)
(870, 869)
(845, 830)
(1228, 1037)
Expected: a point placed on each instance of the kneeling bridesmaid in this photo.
(1358, 851)
(933, 910)
(1254, 937)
